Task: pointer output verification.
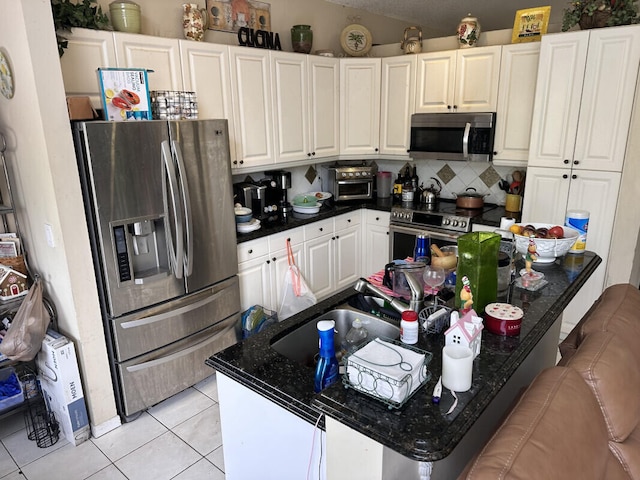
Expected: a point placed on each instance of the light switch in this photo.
(48, 233)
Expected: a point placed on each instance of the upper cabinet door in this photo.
(290, 106)
(397, 103)
(607, 98)
(360, 105)
(162, 55)
(205, 71)
(87, 51)
(435, 82)
(557, 103)
(477, 75)
(516, 95)
(324, 105)
(251, 81)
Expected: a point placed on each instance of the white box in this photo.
(125, 94)
(61, 386)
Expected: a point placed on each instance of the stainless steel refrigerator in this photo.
(159, 202)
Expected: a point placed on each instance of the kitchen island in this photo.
(357, 431)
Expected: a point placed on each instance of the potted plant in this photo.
(67, 15)
(600, 13)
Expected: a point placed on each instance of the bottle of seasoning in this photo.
(397, 189)
(407, 191)
(409, 327)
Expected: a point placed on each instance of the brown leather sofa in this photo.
(581, 418)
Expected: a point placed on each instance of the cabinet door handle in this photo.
(448, 107)
(377, 219)
(574, 176)
(576, 162)
(348, 220)
(565, 176)
(235, 162)
(309, 154)
(337, 236)
(241, 162)
(375, 149)
(566, 162)
(455, 107)
(268, 262)
(313, 153)
(333, 238)
(273, 259)
(250, 251)
(320, 229)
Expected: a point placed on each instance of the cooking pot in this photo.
(470, 199)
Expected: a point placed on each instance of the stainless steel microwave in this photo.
(453, 136)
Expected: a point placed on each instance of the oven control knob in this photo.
(463, 224)
(357, 174)
(446, 221)
(454, 223)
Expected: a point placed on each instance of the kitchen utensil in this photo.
(470, 198)
(503, 319)
(504, 185)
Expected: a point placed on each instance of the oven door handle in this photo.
(416, 230)
(465, 140)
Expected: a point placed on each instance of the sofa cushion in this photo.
(628, 453)
(556, 430)
(608, 364)
(616, 310)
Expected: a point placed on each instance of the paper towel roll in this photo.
(457, 367)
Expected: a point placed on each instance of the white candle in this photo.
(457, 367)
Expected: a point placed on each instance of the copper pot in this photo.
(470, 199)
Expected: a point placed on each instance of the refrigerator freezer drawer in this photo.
(149, 379)
(156, 327)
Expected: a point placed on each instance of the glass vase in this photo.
(478, 261)
(301, 38)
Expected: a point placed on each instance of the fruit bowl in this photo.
(547, 249)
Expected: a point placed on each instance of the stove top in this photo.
(445, 215)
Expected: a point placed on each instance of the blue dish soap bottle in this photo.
(327, 368)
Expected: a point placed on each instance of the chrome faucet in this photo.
(417, 294)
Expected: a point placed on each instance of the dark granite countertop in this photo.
(419, 430)
(331, 209)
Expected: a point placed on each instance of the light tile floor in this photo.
(177, 439)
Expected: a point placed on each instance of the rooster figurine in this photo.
(466, 296)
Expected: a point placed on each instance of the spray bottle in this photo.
(327, 367)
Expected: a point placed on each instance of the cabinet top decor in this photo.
(600, 13)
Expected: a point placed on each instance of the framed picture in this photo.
(230, 15)
(530, 24)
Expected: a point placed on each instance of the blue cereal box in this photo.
(125, 94)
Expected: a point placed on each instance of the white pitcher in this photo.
(194, 21)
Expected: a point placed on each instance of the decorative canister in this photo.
(125, 16)
(301, 38)
(194, 21)
(468, 32)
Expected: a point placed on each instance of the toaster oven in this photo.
(349, 182)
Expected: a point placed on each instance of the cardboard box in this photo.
(61, 386)
(80, 108)
(125, 94)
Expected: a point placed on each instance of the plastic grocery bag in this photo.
(296, 293)
(24, 337)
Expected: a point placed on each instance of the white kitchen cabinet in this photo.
(290, 93)
(87, 50)
(253, 111)
(360, 106)
(376, 241)
(324, 105)
(206, 71)
(550, 193)
(516, 96)
(397, 103)
(458, 80)
(162, 55)
(332, 252)
(584, 99)
(262, 264)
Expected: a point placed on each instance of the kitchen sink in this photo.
(301, 345)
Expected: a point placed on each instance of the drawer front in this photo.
(376, 217)
(348, 220)
(253, 249)
(318, 229)
(278, 241)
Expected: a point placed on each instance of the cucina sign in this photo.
(248, 37)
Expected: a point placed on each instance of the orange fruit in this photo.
(517, 229)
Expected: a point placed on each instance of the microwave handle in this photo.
(465, 140)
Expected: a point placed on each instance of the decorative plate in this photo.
(356, 40)
(6, 77)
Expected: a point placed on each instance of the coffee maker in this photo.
(281, 183)
(252, 196)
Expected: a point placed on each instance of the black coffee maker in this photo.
(280, 183)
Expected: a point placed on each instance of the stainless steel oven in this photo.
(442, 224)
(349, 181)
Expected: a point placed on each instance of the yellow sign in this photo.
(530, 24)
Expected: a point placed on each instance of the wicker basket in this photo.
(15, 263)
(599, 19)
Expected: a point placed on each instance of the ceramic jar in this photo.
(125, 16)
(301, 38)
(194, 21)
(468, 32)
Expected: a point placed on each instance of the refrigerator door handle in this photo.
(176, 251)
(188, 220)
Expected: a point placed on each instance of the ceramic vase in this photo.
(301, 38)
(194, 21)
(468, 32)
(125, 16)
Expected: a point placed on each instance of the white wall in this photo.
(42, 162)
